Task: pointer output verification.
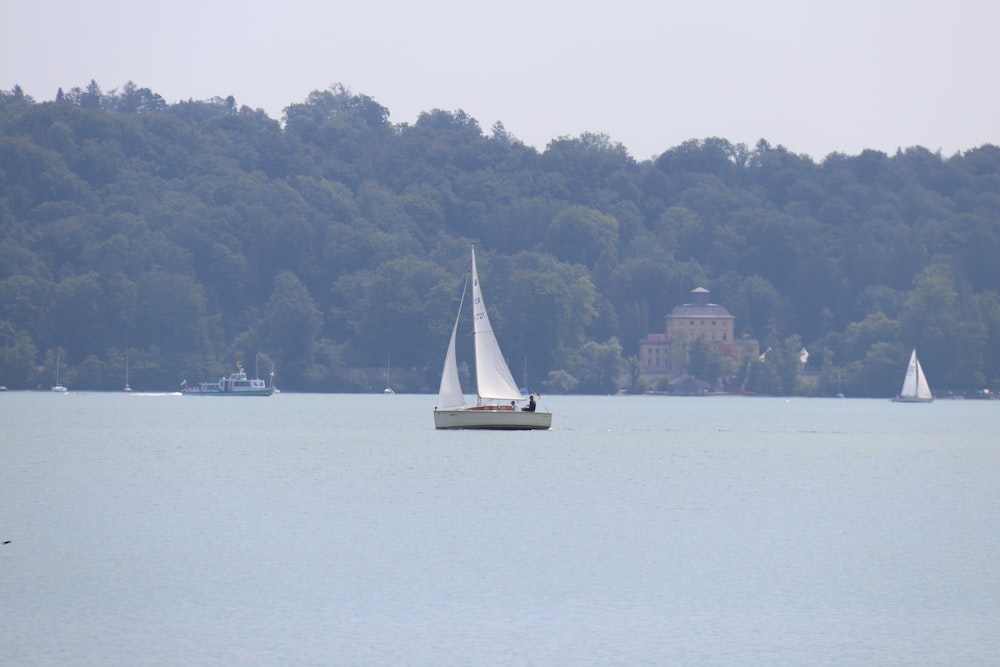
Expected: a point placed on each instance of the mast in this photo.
(493, 378)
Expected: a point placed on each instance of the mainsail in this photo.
(493, 378)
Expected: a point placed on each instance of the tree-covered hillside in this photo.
(193, 235)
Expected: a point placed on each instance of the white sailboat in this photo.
(915, 388)
(388, 385)
(496, 391)
(127, 387)
(58, 388)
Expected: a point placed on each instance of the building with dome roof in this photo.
(666, 353)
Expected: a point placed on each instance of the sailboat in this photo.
(127, 387)
(388, 386)
(58, 387)
(496, 391)
(915, 388)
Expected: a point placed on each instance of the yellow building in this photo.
(701, 319)
(667, 352)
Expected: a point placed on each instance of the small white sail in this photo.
(493, 378)
(915, 388)
(450, 392)
(923, 389)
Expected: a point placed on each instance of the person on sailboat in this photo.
(530, 407)
(513, 405)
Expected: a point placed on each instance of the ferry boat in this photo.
(237, 384)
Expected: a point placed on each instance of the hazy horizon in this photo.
(879, 75)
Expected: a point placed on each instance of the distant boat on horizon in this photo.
(58, 388)
(388, 385)
(237, 384)
(915, 388)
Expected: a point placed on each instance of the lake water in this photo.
(345, 530)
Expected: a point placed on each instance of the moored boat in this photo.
(58, 386)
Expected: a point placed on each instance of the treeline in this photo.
(190, 236)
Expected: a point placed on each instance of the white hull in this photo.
(194, 391)
(912, 399)
(237, 384)
(492, 419)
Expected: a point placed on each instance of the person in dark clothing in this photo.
(530, 407)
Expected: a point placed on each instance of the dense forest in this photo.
(187, 237)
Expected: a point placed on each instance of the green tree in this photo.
(860, 336)
(598, 367)
(881, 371)
(706, 362)
(171, 314)
(560, 382)
(17, 358)
(79, 317)
(580, 235)
(290, 326)
(760, 308)
(637, 382)
(544, 308)
(929, 317)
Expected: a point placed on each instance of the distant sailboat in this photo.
(388, 386)
(915, 388)
(58, 387)
(127, 387)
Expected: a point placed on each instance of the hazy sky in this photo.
(814, 77)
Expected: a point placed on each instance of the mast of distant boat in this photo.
(388, 385)
(58, 386)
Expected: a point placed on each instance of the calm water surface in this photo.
(345, 530)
